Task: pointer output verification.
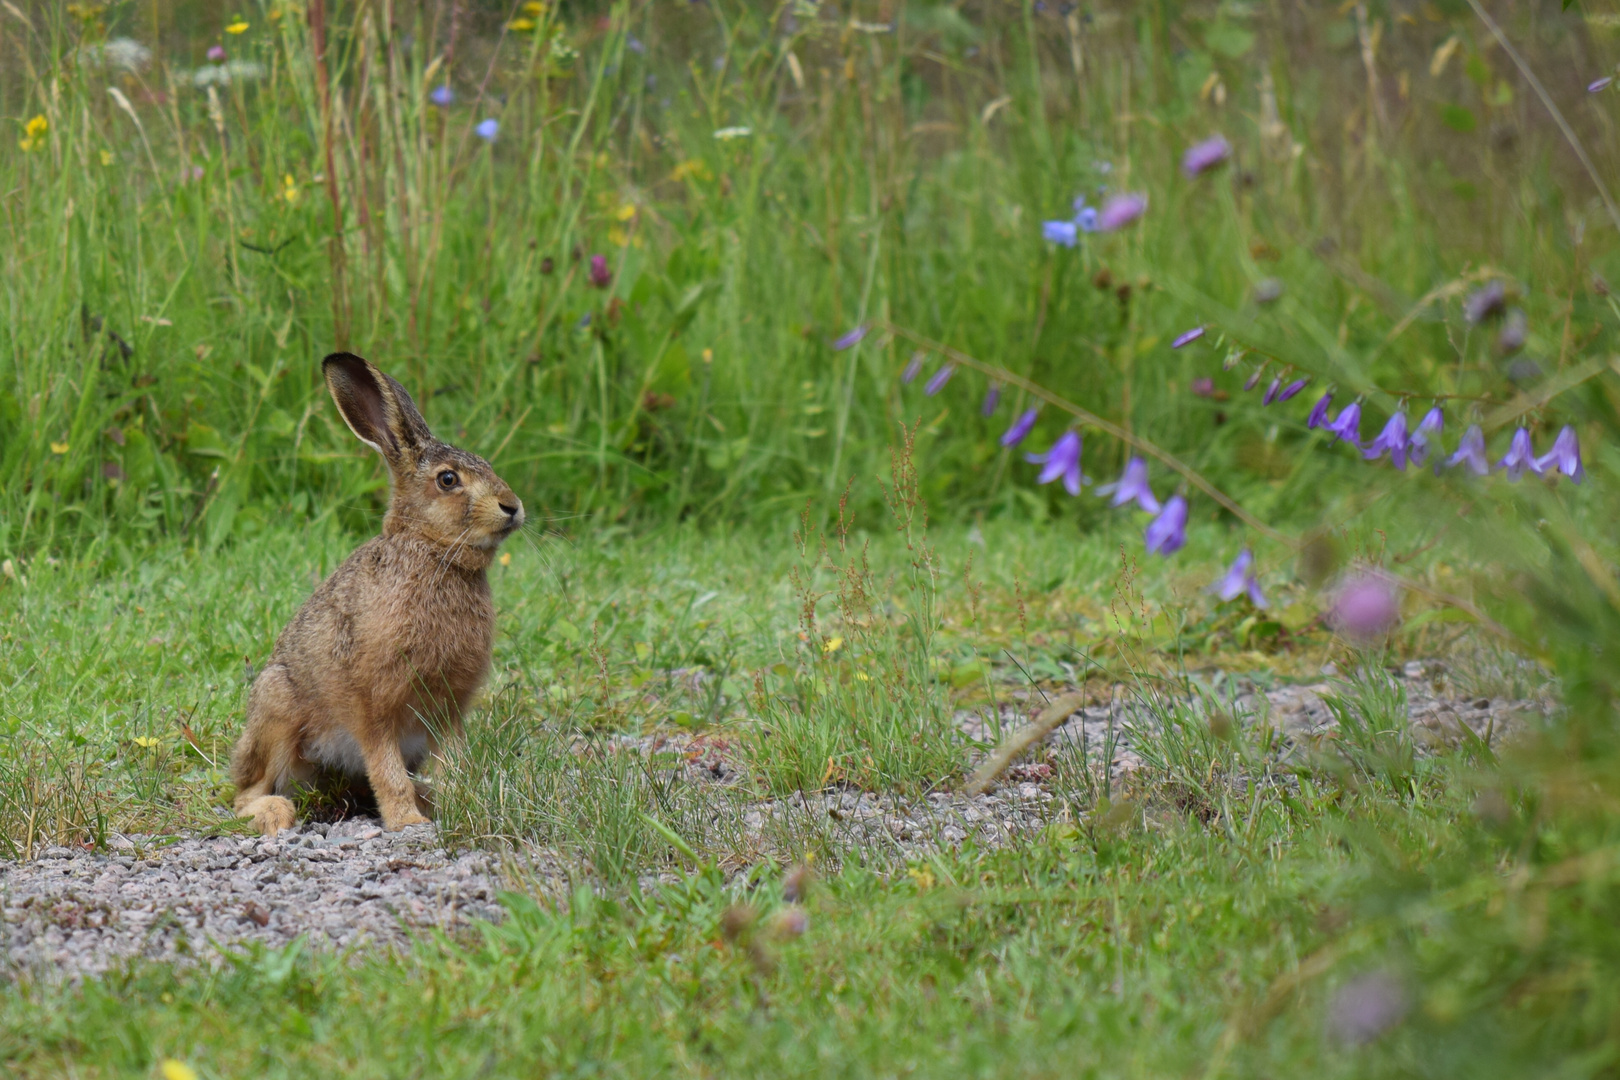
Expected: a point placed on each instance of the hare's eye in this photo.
(447, 479)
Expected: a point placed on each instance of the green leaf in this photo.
(1458, 118)
(1228, 40)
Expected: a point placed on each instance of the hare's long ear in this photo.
(377, 409)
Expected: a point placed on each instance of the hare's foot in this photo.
(270, 813)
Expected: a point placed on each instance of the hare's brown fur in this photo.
(381, 661)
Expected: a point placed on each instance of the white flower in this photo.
(726, 134)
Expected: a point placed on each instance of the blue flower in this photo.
(1066, 233)
(1319, 412)
(1187, 337)
(1062, 460)
(442, 96)
(1485, 302)
(852, 337)
(487, 129)
(992, 398)
(1272, 391)
(1020, 428)
(1132, 484)
(1520, 456)
(941, 377)
(1291, 389)
(1348, 424)
(1240, 578)
(913, 366)
(1392, 440)
(1428, 428)
(1168, 532)
(1471, 452)
(1086, 218)
(1565, 456)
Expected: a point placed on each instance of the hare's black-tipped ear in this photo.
(376, 408)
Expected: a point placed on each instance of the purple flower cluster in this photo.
(1116, 213)
(1415, 446)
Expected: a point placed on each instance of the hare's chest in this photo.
(449, 636)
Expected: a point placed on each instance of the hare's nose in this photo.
(511, 511)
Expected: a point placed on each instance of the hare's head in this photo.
(441, 494)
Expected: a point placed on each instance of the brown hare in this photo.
(386, 654)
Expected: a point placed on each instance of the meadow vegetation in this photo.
(619, 249)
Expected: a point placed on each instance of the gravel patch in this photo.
(72, 912)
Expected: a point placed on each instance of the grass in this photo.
(180, 250)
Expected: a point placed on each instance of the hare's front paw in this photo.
(395, 822)
(270, 814)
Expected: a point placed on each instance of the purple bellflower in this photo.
(1062, 460)
(1485, 302)
(1565, 456)
(1132, 485)
(853, 337)
(1240, 578)
(1599, 84)
(1392, 440)
(1066, 233)
(487, 129)
(1254, 380)
(1348, 424)
(1520, 456)
(1085, 216)
(1319, 412)
(1204, 156)
(1168, 532)
(1428, 428)
(1020, 428)
(939, 379)
(1187, 337)
(1510, 339)
(1120, 211)
(1291, 389)
(992, 398)
(1272, 391)
(1471, 452)
(442, 96)
(913, 367)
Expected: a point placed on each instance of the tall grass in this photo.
(179, 256)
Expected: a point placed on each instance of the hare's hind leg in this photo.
(266, 754)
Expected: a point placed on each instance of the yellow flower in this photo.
(34, 133)
(146, 744)
(106, 157)
(626, 212)
(59, 447)
(534, 8)
(237, 27)
(693, 168)
(506, 558)
(832, 645)
(520, 25)
(289, 189)
(177, 1070)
